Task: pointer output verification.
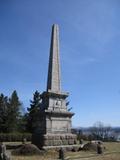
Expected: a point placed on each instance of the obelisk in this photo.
(54, 127)
(53, 82)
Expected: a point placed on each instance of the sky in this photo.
(89, 54)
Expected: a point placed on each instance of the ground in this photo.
(112, 152)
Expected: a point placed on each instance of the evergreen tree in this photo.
(33, 111)
(3, 112)
(13, 115)
(22, 123)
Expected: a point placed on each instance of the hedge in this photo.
(15, 137)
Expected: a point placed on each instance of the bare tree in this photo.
(100, 131)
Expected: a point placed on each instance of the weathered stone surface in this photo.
(56, 140)
(53, 82)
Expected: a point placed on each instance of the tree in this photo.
(3, 112)
(100, 131)
(22, 123)
(33, 111)
(13, 114)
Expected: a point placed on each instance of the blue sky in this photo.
(89, 51)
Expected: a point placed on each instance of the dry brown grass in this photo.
(50, 155)
(112, 152)
(31, 158)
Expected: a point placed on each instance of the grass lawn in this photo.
(112, 152)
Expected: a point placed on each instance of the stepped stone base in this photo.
(54, 140)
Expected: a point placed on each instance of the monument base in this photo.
(54, 139)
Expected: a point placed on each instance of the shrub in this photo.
(15, 137)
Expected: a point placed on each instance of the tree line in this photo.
(12, 118)
(99, 131)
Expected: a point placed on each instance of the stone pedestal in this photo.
(54, 129)
(54, 139)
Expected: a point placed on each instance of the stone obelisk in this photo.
(53, 82)
(54, 127)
